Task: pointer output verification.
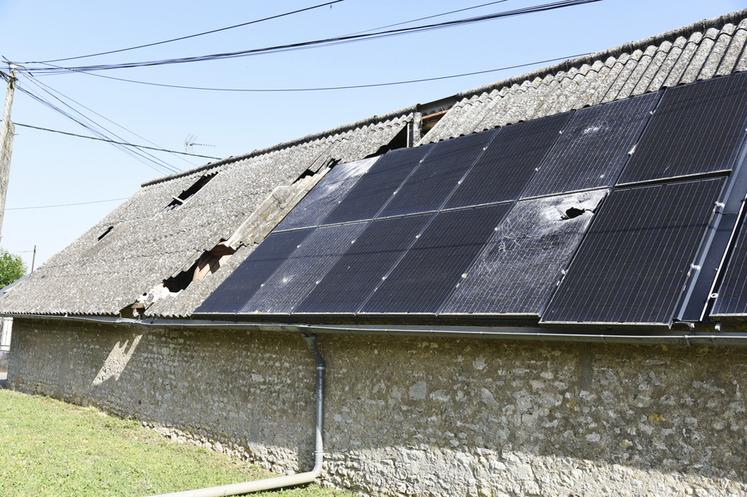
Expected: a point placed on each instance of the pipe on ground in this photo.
(279, 481)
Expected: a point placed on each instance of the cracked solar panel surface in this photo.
(593, 147)
(504, 169)
(300, 272)
(521, 264)
(634, 260)
(429, 185)
(732, 292)
(424, 278)
(352, 279)
(698, 128)
(326, 195)
(231, 296)
(376, 187)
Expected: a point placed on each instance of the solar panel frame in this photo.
(502, 172)
(593, 147)
(326, 195)
(350, 282)
(612, 266)
(445, 248)
(303, 269)
(375, 188)
(232, 295)
(697, 128)
(731, 300)
(439, 174)
(519, 267)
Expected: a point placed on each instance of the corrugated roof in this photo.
(149, 243)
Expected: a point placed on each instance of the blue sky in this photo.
(51, 169)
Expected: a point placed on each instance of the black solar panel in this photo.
(732, 292)
(521, 264)
(429, 185)
(239, 287)
(352, 279)
(376, 187)
(326, 195)
(301, 271)
(425, 277)
(697, 128)
(634, 261)
(593, 147)
(511, 159)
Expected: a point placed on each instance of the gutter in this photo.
(529, 333)
(280, 481)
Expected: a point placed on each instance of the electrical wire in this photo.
(336, 87)
(151, 157)
(69, 204)
(39, 83)
(313, 43)
(144, 159)
(126, 144)
(195, 35)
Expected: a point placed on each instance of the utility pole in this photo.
(6, 144)
(33, 259)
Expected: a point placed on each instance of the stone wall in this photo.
(415, 416)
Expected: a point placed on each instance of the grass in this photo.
(50, 448)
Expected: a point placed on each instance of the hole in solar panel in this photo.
(572, 212)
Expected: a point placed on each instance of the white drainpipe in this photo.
(280, 481)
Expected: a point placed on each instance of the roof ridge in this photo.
(628, 47)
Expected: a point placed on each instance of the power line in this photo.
(195, 35)
(51, 69)
(140, 152)
(432, 16)
(39, 83)
(69, 204)
(107, 140)
(133, 152)
(337, 87)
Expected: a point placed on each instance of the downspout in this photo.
(280, 481)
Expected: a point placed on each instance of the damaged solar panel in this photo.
(697, 128)
(633, 263)
(326, 195)
(521, 264)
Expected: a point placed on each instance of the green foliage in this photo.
(11, 268)
(53, 449)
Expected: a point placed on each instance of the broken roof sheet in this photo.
(252, 192)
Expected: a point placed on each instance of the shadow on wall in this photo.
(250, 390)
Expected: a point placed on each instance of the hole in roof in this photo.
(196, 187)
(105, 232)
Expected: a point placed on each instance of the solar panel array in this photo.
(553, 218)
(732, 294)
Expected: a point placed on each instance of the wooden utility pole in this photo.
(33, 259)
(6, 145)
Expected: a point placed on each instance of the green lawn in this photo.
(50, 448)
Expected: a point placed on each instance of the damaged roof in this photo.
(121, 264)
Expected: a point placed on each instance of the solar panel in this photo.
(521, 264)
(424, 278)
(233, 293)
(326, 195)
(428, 186)
(732, 292)
(352, 279)
(300, 272)
(593, 147)
(634, 261)
(503, 170)
(698, 128)
(376, 187)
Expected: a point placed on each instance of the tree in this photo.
(11, 268)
